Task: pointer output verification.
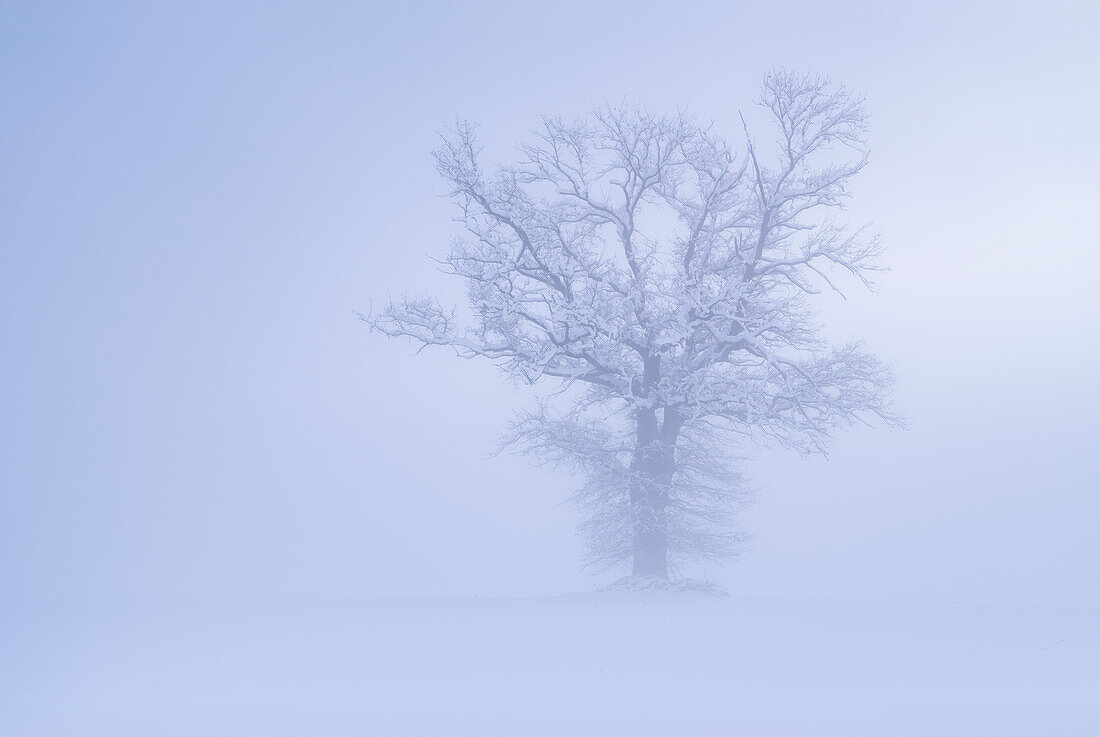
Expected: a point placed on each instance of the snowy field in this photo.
(589, 664)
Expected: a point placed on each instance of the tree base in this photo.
(655, 583)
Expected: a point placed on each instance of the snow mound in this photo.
(679, 586)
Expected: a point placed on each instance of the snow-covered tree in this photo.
(663, 278)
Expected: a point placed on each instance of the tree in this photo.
(663, 280)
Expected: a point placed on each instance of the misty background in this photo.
(196, 198)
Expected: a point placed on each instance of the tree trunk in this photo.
(651, 553)
(653, 468)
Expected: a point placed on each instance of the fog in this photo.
(197, 199)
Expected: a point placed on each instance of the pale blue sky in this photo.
(195, 198)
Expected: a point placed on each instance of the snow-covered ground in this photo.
(589, 664)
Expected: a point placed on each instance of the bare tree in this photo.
(663, 279)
